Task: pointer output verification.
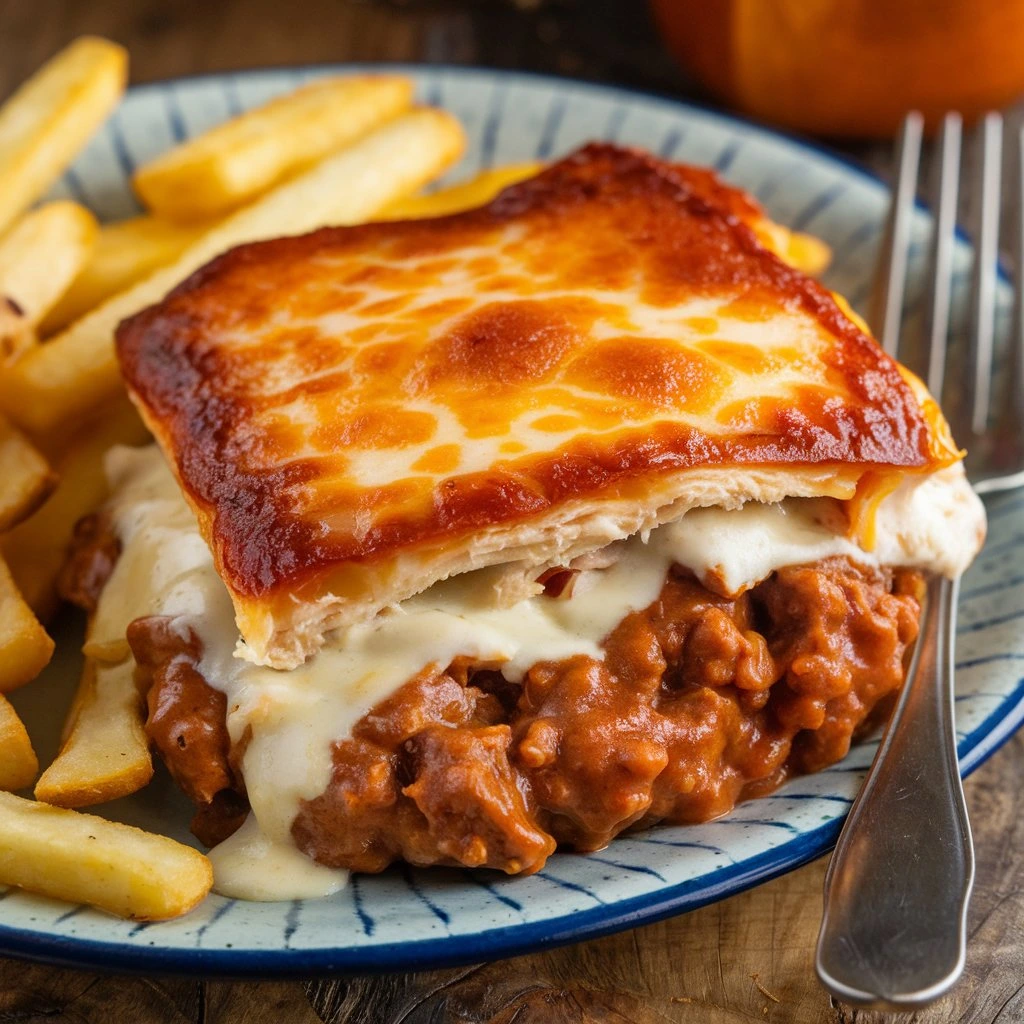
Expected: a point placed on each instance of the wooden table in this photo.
(746, 959)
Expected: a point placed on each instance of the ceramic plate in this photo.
(405, 918)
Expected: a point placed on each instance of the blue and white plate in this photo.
(404, 918)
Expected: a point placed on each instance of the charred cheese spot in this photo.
(481, 417)
(482, 266)
(701, 324)
(556, 423)
(281, 435)
(749, 414)
(383, 426)
(307, 348)
(751, 307)
(381, 362)
(747, 359)
(444, 458)
(503, 343)
(651, 372)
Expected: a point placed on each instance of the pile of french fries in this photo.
(337, 151)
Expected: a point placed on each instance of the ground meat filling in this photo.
(701, 701)
(94, 551)
(186, 722)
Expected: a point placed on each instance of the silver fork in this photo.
(898, 885)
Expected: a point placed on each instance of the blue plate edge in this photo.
(454, 951)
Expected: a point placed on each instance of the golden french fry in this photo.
(463, 196)
(25, 647)
(85, 859)
(43, 253)
(18, 764)
(39, 258)
(232, 163)
(16, 333)
(105, 753)
(805, 252)
(125, 252)
(77, 370)
(52, 116)
(35, 549)
(116, 652)
(25, 477)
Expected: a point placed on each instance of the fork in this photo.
(893, 933)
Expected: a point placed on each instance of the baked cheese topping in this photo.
(360, 412)
(165, 568)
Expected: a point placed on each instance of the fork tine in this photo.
(943, 243)
(887, 304)
(986, 254)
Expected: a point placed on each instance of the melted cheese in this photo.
(358, 413)
(295, 716)
(249, 866)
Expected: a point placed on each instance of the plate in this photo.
(404, 918)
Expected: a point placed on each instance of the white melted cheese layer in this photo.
(295, 717)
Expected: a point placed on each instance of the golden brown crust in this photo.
(338, 402)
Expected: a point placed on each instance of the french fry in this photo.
(125, 252)
(85, 859)
(25, 476)
(52, 116)
(18, 763)
(16, 333)
(39, 258)
(805, 252)
(43, 252)
(105, 753)
(25, 647)
(76, 371)
(234, 162)
(463, 196)
(35, 549)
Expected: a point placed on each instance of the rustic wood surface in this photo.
(745, 959)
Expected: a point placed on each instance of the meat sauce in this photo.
(700, 701)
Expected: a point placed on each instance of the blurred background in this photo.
(610, 40)
(837, 68)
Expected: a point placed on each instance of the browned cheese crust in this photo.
(359, 412)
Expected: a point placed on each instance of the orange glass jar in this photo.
(850, 67)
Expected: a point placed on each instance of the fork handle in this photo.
(897, 888)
